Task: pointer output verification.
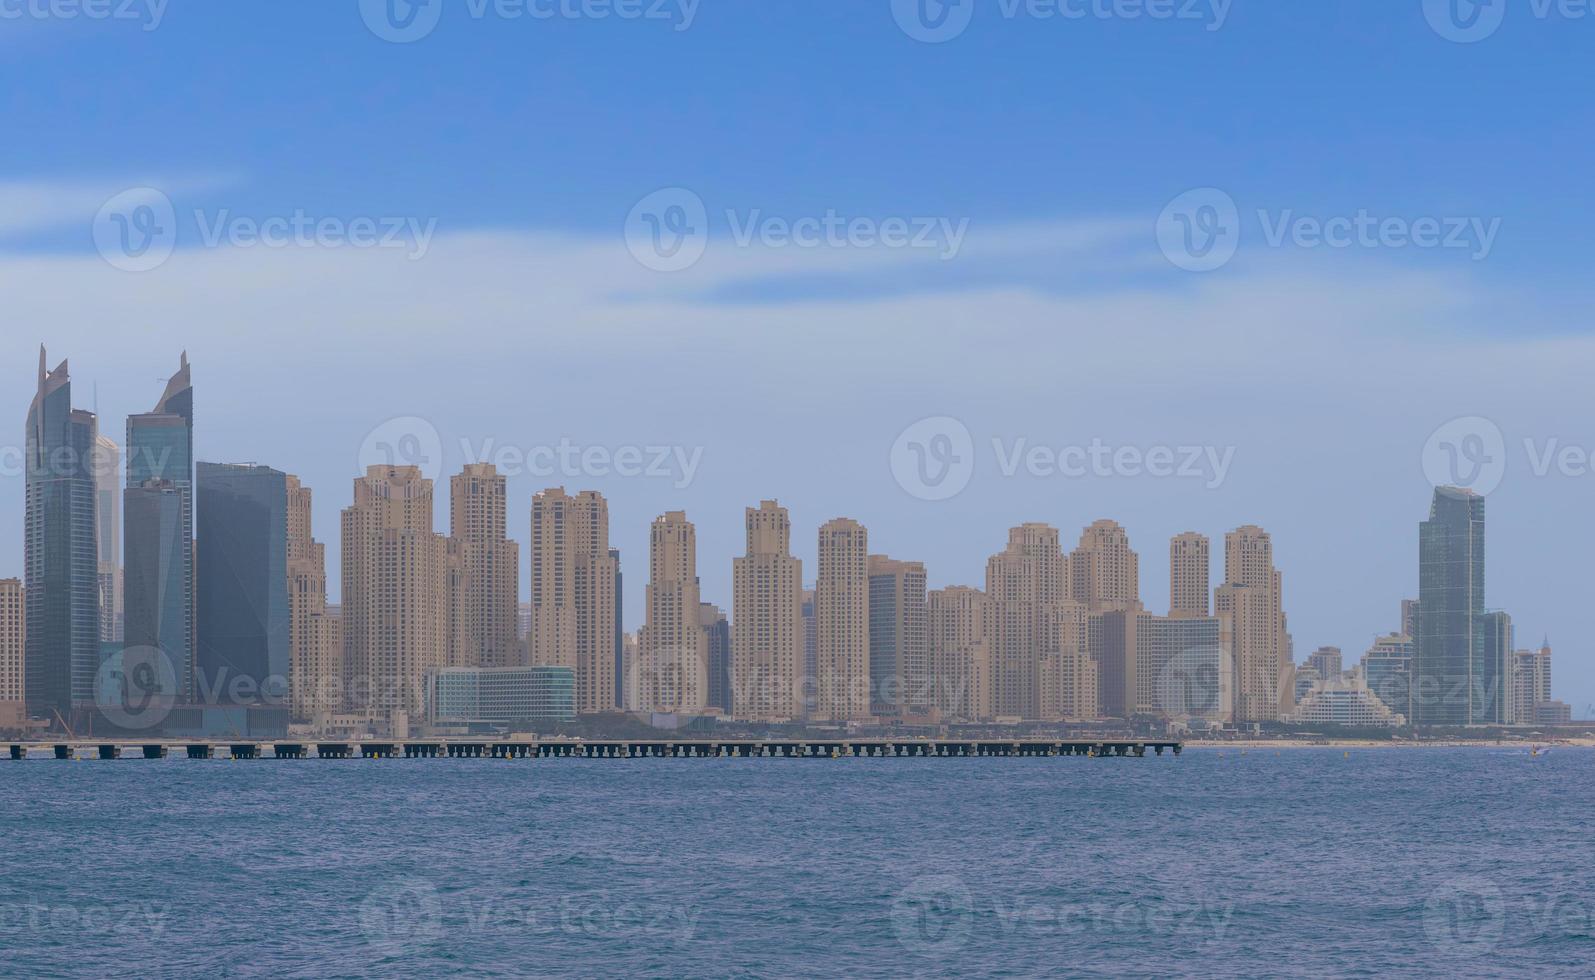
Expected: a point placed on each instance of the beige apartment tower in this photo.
(573, 592)
(1190, 562)
(1105, 574)
(484, 572)
(841, 622)
(13, 642)
(675, 648)
(960, 652)
(315, 640)
(767, 628)
(395, 595)
(1027, 584)
(1250, 601)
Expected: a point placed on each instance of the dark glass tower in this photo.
(154, 587)
(60, 550)
(160, 459)
(1448, 667)
(244, 622)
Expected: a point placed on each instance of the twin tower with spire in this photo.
(72, 586)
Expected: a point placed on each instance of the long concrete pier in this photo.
(520, 748)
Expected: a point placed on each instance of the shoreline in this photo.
(1457, 743)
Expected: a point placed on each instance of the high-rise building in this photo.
(523, 620)
(315, 644)
(717, 629)
(1387, 671)
(620, 628)
(770, 631)
(1531, 683)
(675, 649)
(629, 657)
(1327, 661)
(395, 602)
(811, 657)
(1491, 691)
(1190, 562)
(899, 644)
(841, 622)
(573, 578)
(60, 557)
(484, 572)
(13, 647)
(160, 459)
(1027, 590)
(244, 618)
(1104, 573)
(1160, 666)
(158, 623)
(960, 652)
(1450, 641)
(108, 523)
(1251, 603)
(1409, 617)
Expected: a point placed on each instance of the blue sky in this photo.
(522, 145)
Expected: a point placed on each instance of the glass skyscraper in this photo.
(60, 553)
(242, 597)
(160, 461)
(1448, 666)
(154, 587)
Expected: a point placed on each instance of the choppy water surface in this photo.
(1408, 862)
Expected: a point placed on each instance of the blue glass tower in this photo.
(60, 551)
(244, 623)
(1450, 646)
(158, 542)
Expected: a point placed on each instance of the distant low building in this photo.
(1346, 703)
(1306, 679)
(1387, 668)
(1327, 661)
(1531, 683)
(1553, 713)
(506, 696)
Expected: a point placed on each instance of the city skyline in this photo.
(1101, 572)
